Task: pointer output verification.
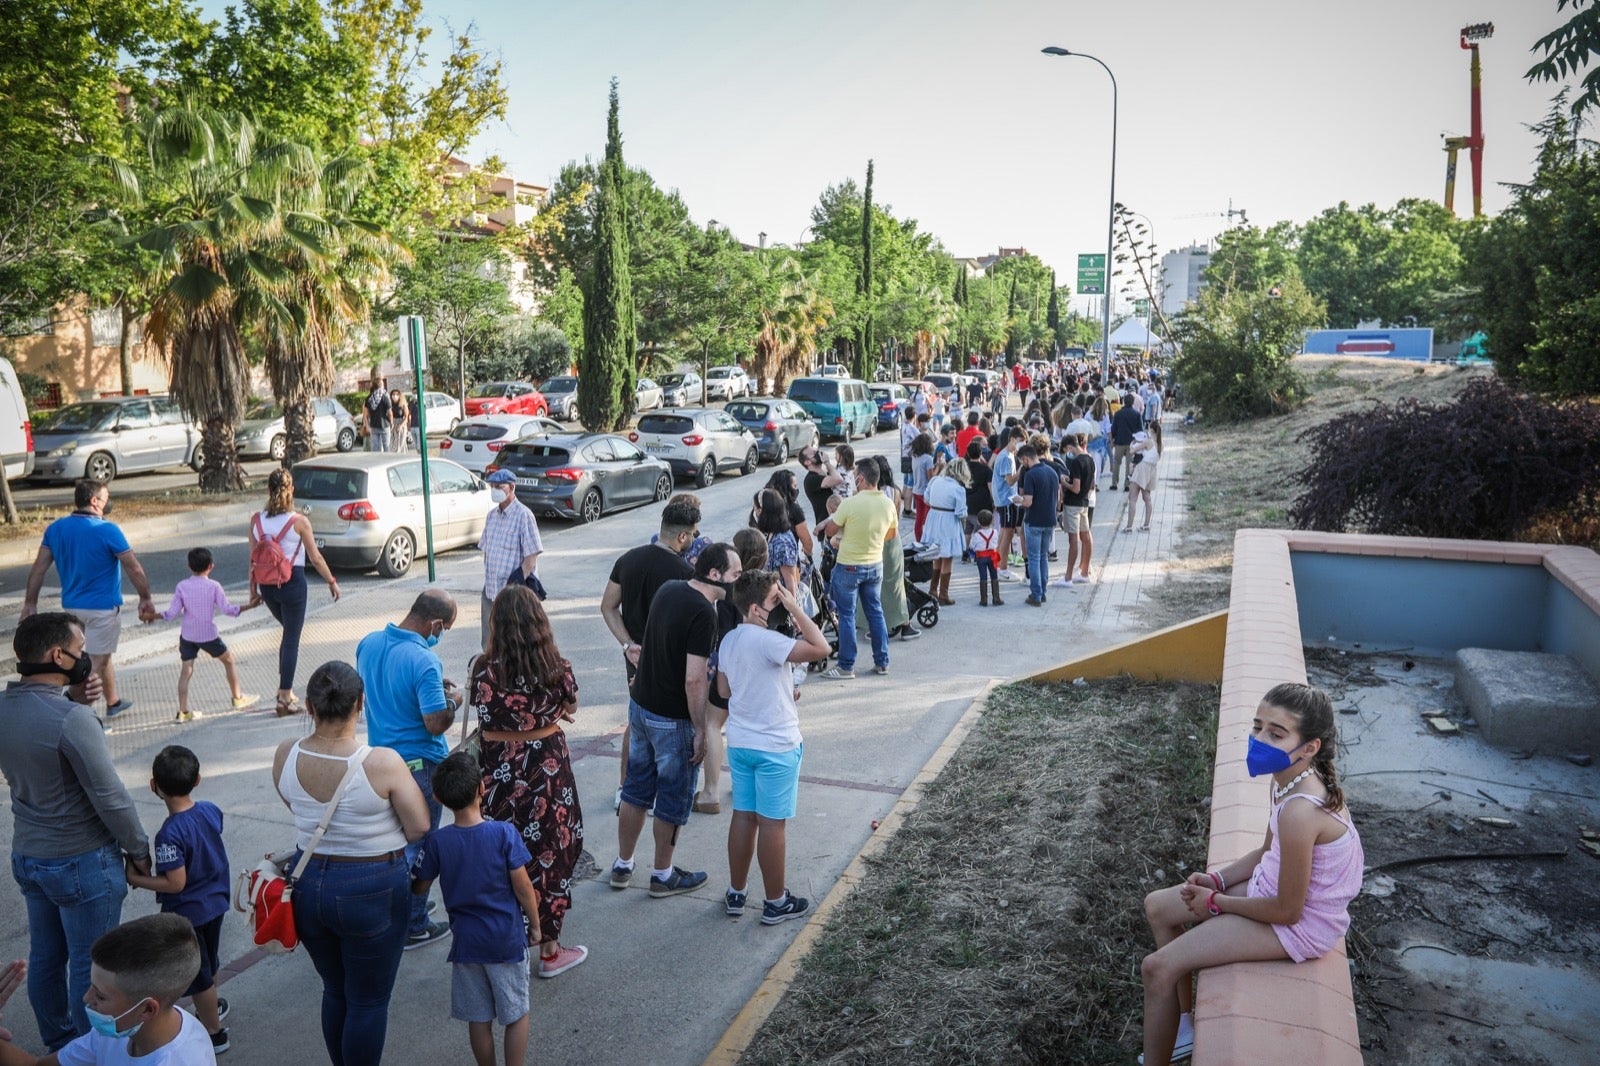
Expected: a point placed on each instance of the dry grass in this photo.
(1003, 924)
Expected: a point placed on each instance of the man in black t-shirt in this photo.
(668, 719)
(1075, 489)
(818, 483)
(636, 577)
(375, 416)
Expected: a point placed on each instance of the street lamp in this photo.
(1111, 211)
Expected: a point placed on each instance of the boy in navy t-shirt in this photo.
(190, 876)
(481, 867)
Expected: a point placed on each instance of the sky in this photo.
(750, 108)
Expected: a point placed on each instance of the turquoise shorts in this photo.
(766, 782)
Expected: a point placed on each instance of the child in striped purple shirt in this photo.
(198, 598)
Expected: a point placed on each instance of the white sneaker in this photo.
(1060, 583)
(1183, 1046)
(1081, 579)
(1006, 575)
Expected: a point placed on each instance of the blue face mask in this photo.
(433, 638)
(1262, 758)
(106, 1025)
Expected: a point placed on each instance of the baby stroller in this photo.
(924, 608)
(824, 615)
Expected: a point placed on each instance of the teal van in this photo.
(839, 406)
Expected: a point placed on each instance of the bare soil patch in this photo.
(1003, 923)
(1237, 476)
(33, 520)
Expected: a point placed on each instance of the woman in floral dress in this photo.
(522, 690)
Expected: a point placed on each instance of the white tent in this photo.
(1134, 334)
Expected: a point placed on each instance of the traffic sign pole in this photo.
(414, 337)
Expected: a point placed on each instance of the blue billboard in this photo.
(1389, 343)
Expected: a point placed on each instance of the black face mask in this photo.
(778, 617)
(77, 673)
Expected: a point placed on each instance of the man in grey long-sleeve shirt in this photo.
(74, 820)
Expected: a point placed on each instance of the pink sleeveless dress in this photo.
(1335, 881)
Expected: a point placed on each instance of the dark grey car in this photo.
(781, 427)
(583, 475)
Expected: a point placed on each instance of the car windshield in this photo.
(493, 388)
(527, 456)
(560, 385)
(881, 392)
(80, 418)
(720, 372)
(672, 379)
(329, 483)
(264, 409)
(747, 412)
(808, 390)
(478, 431)
(667, 424)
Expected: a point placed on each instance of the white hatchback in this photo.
(476, 442)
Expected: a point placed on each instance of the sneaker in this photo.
(1053, 557)
(733, 903)
(186, 716)
(677, 883)
(1006, 575)
(433, 905)
(793, 906)
(1060, 583)
(880, 670)
(907, 631)
(244, 701)
(1017, 560)
(621, 876)
(1181, 1050)
(1033, 602)
(563, 960)
(839, 673)
(114, 709)
(1081, 579)
(219, 1041)
(616, 804)
(222, 1009)
(431, 934)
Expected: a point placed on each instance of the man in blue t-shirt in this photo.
(90, 555)
(409, 707)
(1038, 493)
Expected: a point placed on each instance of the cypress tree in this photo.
(607, 372)
(866, 353)
(1052, 317)
(1011, 324)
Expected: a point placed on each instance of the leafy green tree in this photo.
(718, 298)
(1249, 259)
(562, 307)
(462, 289)
(1388, 266)
(606, 384)
(1568, 49)
(540, 349)
(1340, 254)
(1237, 345)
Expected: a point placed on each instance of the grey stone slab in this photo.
(1529, 701)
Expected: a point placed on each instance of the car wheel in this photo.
(589, 508)
(278, 448)
(346, 440)
(872, 427)
(454, 422)
(783, 452)
(751, 458)
(816, 439)
(398, 554)
(663, 487)
(707, 473)
(198, 459)
(100, 467)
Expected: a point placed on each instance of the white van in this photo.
(16, 430)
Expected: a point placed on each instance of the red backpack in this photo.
(268, 564)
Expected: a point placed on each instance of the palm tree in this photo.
(806, 316)
(209, 206)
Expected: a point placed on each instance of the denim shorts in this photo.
(189, 650)
(489, 991)
(766, 782)
(661, 769)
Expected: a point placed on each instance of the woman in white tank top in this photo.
(353, 902)
(287, 600)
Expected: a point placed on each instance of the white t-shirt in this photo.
(761, 710)
(191, 1047)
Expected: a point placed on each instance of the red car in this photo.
(506, 398)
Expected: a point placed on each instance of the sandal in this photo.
(1127, 529)
(709, 806)
(287, 708)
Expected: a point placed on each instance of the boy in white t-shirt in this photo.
(764, 746)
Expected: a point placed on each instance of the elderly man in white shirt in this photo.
(510, 542)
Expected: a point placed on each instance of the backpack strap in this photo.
(284, 532)
(327, 812)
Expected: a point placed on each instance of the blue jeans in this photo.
(71, 901)
(848, 583)
(287, 603)
(661, 769)
(351, 917)
(1038, 559)
(418, 921)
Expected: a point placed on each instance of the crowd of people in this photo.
(717, 638)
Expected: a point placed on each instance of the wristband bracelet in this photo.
(1211, 904)
(1216, 879)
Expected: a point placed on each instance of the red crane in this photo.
(1470, 36)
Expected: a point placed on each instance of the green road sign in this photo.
(1092, 275)
(1141, 307)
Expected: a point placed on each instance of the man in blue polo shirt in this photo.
(409, 707)
(1038, 494)
(90, 555)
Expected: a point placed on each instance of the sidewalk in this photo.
(663, 975)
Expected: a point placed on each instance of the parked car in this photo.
(646, 395)
(264, 433)
(727, 383)
(16, 428)
(506, 398)
(584, 475)
(367, 508)
(441, 412)
(948, 384)
(697, 441)
(561, 393)
(889, 398)
(832, 370)
(682, 390)
(781, 427)
(100, 439)
(840, 407)
(475, 442)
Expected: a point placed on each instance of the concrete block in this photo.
(1529, 701)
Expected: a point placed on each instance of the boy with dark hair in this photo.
(137, 973)
(482, 870)
(198, 598)
(191, 876)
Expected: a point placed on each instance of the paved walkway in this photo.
(667, 975)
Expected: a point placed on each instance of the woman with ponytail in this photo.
(1288, 899)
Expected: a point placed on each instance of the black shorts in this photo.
(1011, 516)
(189, 650)
(210, 937)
